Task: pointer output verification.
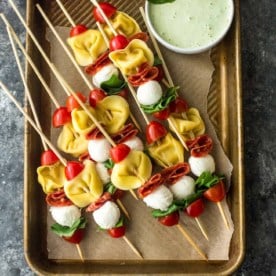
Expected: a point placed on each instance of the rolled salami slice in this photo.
(200, 146)
(101, 61)
(58, 199)
(153, 183)
(99, 203)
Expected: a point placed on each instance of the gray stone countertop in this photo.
(259, 105)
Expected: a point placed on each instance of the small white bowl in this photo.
(193, 50)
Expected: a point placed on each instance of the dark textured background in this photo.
(259, 103)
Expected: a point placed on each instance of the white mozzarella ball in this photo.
(183, 188)
(135, 143)
(104, 74)
(65, 215)
(103, 173)
(99, 149)
(149, 93)
(161, 198)
(107, 215)
(202, 164)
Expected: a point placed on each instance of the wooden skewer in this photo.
(18, 42)
(126, 80)
(123, 208)
(223, 215)
(134, 249)
(191, 241)
(69, 54)
(70, 19)
(27, 91)
(167, 74)
(33, 124)
(95, 3)
(80, 252)
(203, 231)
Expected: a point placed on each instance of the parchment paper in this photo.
(156, 242)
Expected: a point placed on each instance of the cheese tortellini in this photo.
(51, 177)
(132, 172)
(87, 46)
(86, 187)
(81, 122)
(129, 59)
(123, 24)
(113, 112)
(193, 123)
(69, 141)
(167, 151)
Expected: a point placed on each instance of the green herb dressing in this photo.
(191, 23)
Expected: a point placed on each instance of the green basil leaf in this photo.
(163, 103)
(65, 231)
(206, 180)
(157, 61)
(158, 213)
(160, 1)
(113, 85)
(109, 164)
(119, 223)
(110, 188)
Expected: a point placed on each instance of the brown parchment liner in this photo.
(156, 242)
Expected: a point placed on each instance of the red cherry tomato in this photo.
(155, 131)
(72, 169)
(61, 117)
(161, 74)
(170, 220)
(117, 232)
(118, 42)
(48, 157)
(215, 193)
(195, 209)
(108, 10)
(178, 106)
(76, 237)
(123, 93)
(119, 152)
(79, 29)
(72, 103)
(95, 96)
(163, 114)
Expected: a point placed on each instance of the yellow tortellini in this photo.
(81, 122)
(113, 112)
(130, 58)
(132, 172)
(193, 123)
(86, 187)
(87, 46)
(51, 177)
(69, 141)
(123, 24)
(167, 151)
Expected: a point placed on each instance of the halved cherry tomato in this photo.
(119, 152)
(155, 131)
(170, 220)
(72, 103)
(95, 96)
(61, 117)
(178, 106)
(163, 114)
(215, 193)
(108, 10)
(161, 74)
(118, 42)
(117, 232)
(79, 29)
(72, 169)
(76, 237)
(48, 157)
(195, 209)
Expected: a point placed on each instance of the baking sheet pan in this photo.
(225, 89)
